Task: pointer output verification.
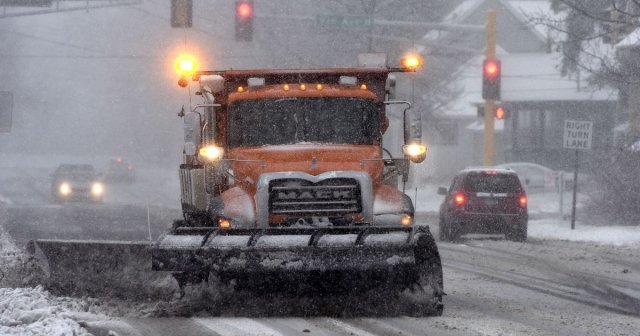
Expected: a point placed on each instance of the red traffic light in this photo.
(244, 20)
(244, 10)
(491, 74)
(500, 113)
(491, 68)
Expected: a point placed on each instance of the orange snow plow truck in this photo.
(285, 173)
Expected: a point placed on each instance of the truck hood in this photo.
(250, 162)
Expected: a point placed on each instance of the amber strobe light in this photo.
(186, 65)
(411, 62)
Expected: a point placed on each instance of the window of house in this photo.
(525, 119)
(527, 129)
(444, 132)
(553, 129)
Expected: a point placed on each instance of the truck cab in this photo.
(294, 148)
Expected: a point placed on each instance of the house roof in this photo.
(536, 14)
(526, 11)
(531, 77)
(632, 40)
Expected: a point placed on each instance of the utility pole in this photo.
(489, 104)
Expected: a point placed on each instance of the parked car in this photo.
(484, 200)
(76, 182)
(534, 176)
(118, 170)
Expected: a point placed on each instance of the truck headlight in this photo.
(97, 189)
(64, 189)
(406, 220)
(224, 223)
(211, 153)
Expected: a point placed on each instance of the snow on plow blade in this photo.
(196, 250)
(92, 267)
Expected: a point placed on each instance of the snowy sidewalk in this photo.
(561, 230)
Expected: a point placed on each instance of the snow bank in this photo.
(31, 311)
(16, 268)
(28, 311)
(557, 229)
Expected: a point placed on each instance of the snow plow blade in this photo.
(404, 260)
(193, 250)
(97, 268)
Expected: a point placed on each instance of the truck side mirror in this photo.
(412, 127)
(413, 146)
(390, 87)
(192, 132)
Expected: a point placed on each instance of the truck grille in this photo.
(299, 197)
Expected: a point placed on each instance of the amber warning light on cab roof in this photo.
(186, 65)
(411, 62)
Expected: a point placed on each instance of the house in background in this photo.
(628, 54)
(538, 97)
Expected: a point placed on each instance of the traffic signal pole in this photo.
(489, 104)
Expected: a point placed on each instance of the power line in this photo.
(4, 13)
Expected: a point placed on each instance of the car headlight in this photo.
(64, 189)
(97, 189)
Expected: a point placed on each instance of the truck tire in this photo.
(425, 296)
(518, 233)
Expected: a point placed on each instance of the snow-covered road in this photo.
(494, 287)
(561, 282)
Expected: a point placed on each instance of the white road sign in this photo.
(577, 134)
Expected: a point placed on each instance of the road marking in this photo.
(237, 326)
(353, 330)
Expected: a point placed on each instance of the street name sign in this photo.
(344, 21)
(577, 134)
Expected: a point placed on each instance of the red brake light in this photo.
(458, 199)
(523, 200)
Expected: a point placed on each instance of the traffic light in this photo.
(491, 74)
(501, 112)
(181, 13)
(244, 20)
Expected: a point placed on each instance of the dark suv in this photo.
(484, 200)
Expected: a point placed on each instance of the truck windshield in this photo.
(286, 121)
